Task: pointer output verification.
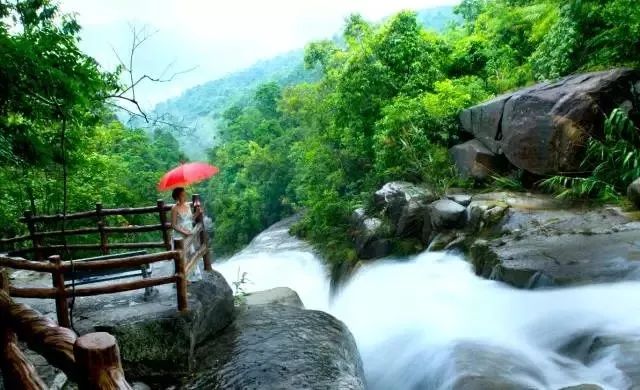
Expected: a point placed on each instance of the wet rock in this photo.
(371, 239)
(427, 229)
(461, 199)
(633, 192)
(484, 122)
(280, 347)
(411, 218)
(473, 366)
(358, 216)
(542, 129)
(476, 161)
(441, 240)
(583, 387)
(446, 214)
(278, 295)
(402, 199)
(157, 346)
(623, 352)
(376, 249)
(546, 258)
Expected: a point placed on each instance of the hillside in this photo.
(200, 108)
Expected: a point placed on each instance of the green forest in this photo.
(57, 110)
(382, 105)
(386, 108)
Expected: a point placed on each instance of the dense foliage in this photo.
(386, 105)
(54, 110)
(378, 103)
(611, 163)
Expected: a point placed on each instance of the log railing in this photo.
(39, 250)
(184, 253)
(92, 361)
(60, 293)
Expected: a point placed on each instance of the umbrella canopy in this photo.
(186, 174)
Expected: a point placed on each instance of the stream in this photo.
(427, 321)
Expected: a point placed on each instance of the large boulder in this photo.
(633, 192)
(279, 295)
(473, 159)
(446, 214)
(157, 344)
(371, 236)
(280, 347)
(484, 122)
(542, 129)
(404, 203)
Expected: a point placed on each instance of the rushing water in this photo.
(421, 322)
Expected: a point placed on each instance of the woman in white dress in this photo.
(182, 220)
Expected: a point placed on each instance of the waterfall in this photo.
(426, 321)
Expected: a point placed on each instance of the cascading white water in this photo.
(411, 318)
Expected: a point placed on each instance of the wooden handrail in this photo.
(92, 214)
(92, 361)
(133, 261)
(11, 240)
(73, 247)
(86, 291)
(42, 335)
(18, 372)
(88, 230)
(184, 260)
(33, 292)
(20, 263)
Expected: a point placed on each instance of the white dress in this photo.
(184, 221)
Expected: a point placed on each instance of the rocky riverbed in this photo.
(431, 313)
(268, 340)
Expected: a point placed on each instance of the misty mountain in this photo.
(200, 108)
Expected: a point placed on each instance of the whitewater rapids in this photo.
(409, 315)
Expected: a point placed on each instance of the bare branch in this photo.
(127, 93)
(151, 121)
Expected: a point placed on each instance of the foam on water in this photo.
(408, 316)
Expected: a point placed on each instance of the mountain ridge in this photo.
(200, 108)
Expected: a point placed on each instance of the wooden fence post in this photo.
(28, 218)
(104, 246)
(62, 307)
(204, 237)
(17, 371)
(98, 357)
(163, 221)
(181, 283)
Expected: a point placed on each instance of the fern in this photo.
(613, 162)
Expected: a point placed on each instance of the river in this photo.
(424, 321)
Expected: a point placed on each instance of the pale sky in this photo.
(216, 37)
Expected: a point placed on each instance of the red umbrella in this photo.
(186, 174)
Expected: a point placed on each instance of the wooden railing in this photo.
(39, 250)
(60, 293)
(92, 361)
(185, 255)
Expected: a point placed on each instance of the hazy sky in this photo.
(216, 37)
